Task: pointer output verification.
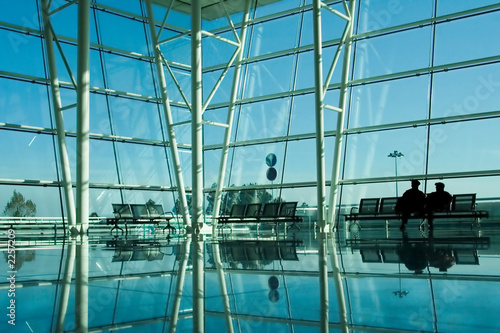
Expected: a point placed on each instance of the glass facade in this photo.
(423, 80)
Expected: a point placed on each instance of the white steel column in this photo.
(197, 114)
(230, 116)
(82, 165)
(82, 101)
(168, 116)
(339, 135)
(318, 101)
(56, 100)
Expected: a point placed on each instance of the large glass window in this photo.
(406, 50)
(471, 43)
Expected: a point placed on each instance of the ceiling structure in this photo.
(210, 9)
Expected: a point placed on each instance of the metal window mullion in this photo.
(340, 121)
(230, 116)
(168, 117)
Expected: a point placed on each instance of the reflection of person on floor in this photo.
(438, 201)
(439, 258)
(413, 254)
(411, 202)
(417, 255)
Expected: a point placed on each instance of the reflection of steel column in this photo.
(180, 284)
(197, 114)
(56, 100)
(198, 284)
(82, 103)
(318, 101)
(323, 282)
(340, 120)
(223, 288)
(82, 284)
(339, 288)
(168, 117)
(65, 288)
(230, 116)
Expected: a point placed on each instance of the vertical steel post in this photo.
(197, 114)
(230, 116)
(82, 102)
(168, 116)
(82, 164)
(318, 103)
(56, 100)
(339, 134)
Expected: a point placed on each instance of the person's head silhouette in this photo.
(439, 187)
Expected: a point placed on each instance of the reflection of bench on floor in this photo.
(247, 251)
(139, 214)
(373, 209)
(256, 213)
(464, 249)
(135, 250)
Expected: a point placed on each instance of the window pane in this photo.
(136, 119)
(465, 39)
(458, 147)
(393, 53)
(367, 153)
(21, 53)
(466, 91)
(263, 120)
(24, 103)
(130, 75)
(249, 164)
(270, 36)
(389, 102)
(452, 6)
(27, 156)
(122, 33)
(375, 15)
(143, 164)
(269, 77)
(46, 199)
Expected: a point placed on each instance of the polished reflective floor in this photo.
(370, 280)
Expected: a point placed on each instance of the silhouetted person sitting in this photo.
(438, 201)
(411, 202)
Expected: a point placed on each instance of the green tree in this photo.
(19, 207)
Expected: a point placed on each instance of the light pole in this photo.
(396, 154)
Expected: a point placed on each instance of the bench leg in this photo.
(116, 227)
(355, 222)
(169, 227)
(293, 225)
